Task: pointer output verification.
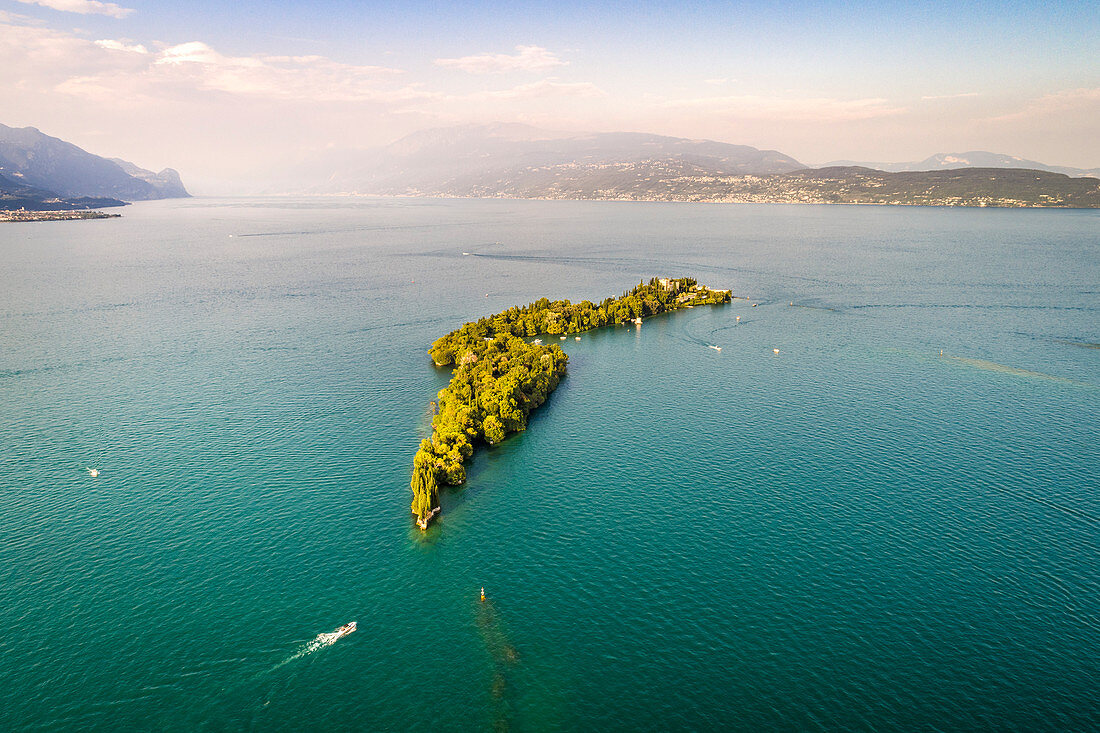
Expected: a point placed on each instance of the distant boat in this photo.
(637, 321)
(465, 254)
(716, 348)
(576, 338)
(345, 629)
(536, 342)
(562, 338)
(93, 472)
(776, 350)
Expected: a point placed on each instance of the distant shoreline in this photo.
(54, 215)
(709, 201)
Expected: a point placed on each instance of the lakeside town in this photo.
(24, 215)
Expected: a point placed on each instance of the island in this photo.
(500, 377)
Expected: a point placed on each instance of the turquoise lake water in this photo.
(856, 533)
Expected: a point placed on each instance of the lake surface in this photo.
(859, 532)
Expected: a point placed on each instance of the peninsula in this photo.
(24, 215)
(500, 377)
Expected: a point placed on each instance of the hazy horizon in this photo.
(226, 94)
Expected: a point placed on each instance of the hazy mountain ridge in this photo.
(971, 159)
(167, 182)
(997, 187)
(479, 157)
(518, 161)
(31, 158)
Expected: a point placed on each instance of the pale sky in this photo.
(223, 92)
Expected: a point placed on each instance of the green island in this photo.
(499, 377)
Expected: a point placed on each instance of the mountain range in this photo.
(44, 171)
(39, 172)
(971, 159)
(519, 161)
(476, 160)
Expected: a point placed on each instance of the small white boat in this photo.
(775, 350)
(576, 338)
(637, 321)
(345, 629)
(93, 472)
(716, 348)
(537, 342)
(562, 338)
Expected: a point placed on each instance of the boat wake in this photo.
(256, 682)
(319, 642)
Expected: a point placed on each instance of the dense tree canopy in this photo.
(499, 377)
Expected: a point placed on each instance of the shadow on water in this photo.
(452, 499)
(504, 658)
(1079, 344)
(992, 366)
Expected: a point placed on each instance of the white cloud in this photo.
(199, 53)
(313, 78)
(121, 46)
(526, 58)
(84, 7)
(1067, 101)
(17, 19)
(543, 89)
(107, 70)
(39, 57)
(938, 97)
(805, 109)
